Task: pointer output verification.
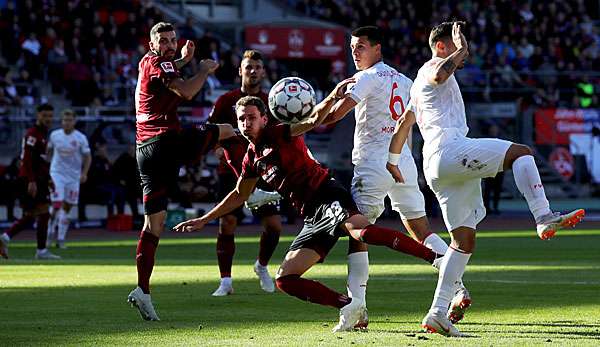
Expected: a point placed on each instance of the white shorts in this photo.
(454, 174)
(372, 183)
(64, 190)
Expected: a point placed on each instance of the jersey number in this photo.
(335, 212)
(393, 100)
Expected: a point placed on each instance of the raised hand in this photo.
(209, 65)
(187, 51)
(340, 88)
(458, 37)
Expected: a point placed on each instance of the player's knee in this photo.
(227, 224)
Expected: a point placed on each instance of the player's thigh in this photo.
(58, 191)
(72, 192)
(370, 185)
(469, 158)
(461, 203)
(297, 262)
(406, 197)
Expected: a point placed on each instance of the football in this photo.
(291, 100)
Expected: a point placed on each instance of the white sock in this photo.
(257, 264)
(226, 281)
(451, 272)
(63, 224)
(527, 178)
(6, 237)
(435, 243)
(358, 275)
(52, 225)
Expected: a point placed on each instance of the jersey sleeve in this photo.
(247, 166)
(85, 146)
(29, 143)
(362, 88)
(163, 69)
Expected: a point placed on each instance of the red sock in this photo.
(312, 291)
(42, 230)
(268, 242)
(376, 235)
(19, 225)
(225, 252)
(144, 258)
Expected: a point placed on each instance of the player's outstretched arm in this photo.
(233, 200)
(226, 131)
(446, 67)
(403, 128)
(321, 110)
(187, 89)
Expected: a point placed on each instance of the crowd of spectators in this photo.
(536, 47)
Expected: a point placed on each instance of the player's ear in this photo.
(440, 46)
(240, 70)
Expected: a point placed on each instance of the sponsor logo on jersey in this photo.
(31, 140)
(167, 66)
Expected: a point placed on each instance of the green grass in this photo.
(526, 292)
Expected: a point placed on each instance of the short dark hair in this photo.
(68, 112)
(161, 27)
(252, 101)
(252, 54)
(441, 32)
(44, 107)
(373, 34)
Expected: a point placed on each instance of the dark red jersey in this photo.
(224, 113)
(284, 163)
(34, 164)
(155, 104)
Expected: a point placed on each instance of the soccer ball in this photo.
(291, 100)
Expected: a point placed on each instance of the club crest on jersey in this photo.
(167, 66)
(266, 151)
(31, 140)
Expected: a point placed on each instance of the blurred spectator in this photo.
(57, 59)
(125, 174)
(8, 187)
(100, 186)
(492, 186)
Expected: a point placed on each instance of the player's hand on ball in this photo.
(187, 51)
(395, 171)
(190, 225)
(340, 88)
(209, 65)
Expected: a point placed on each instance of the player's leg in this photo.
(27, 204)
(226, 250)
(269, 239)
(63, 225)
(57, 197)
(43, 216)
(527, 178)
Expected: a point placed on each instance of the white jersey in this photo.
(439, 110)
(67, 154)
(382, 93)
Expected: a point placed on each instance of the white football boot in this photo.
(261, 197)
(459, 304)
(225, 288)
(440, 324)
(45, 254)
(266, 282)
(349, 316)
(550, 223)
(143, 302)
(363, 320)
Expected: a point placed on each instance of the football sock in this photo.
(63, 224)
(312, 291)
(226, 281)
(436, 243)
(358, 275)
(52, 226)
(225, 252)
(450, 276)
(19, 225)
(144, 257)
(42, 230)
(529, 183)
(268, 242)
(376, 235)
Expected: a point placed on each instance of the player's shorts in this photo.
(160, 158)
(454, 174)
(331, 206)
(227, 183)
(64, 190)
(372, 182)
(42, 197)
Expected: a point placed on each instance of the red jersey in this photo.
(284, 163)
(34, 164)
(224, 113)
(155, 104)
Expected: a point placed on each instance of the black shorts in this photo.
(42, 197)
(227, 183)
(160, 158)
(324, 214)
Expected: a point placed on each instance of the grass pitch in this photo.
(525, 291)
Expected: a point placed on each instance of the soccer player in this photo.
(70, 162)
(455, 164)
(379, 97)
(328, 209)
(162, 145)
(231, 154)
(34, 181)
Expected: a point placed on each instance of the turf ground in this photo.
(526, 292)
